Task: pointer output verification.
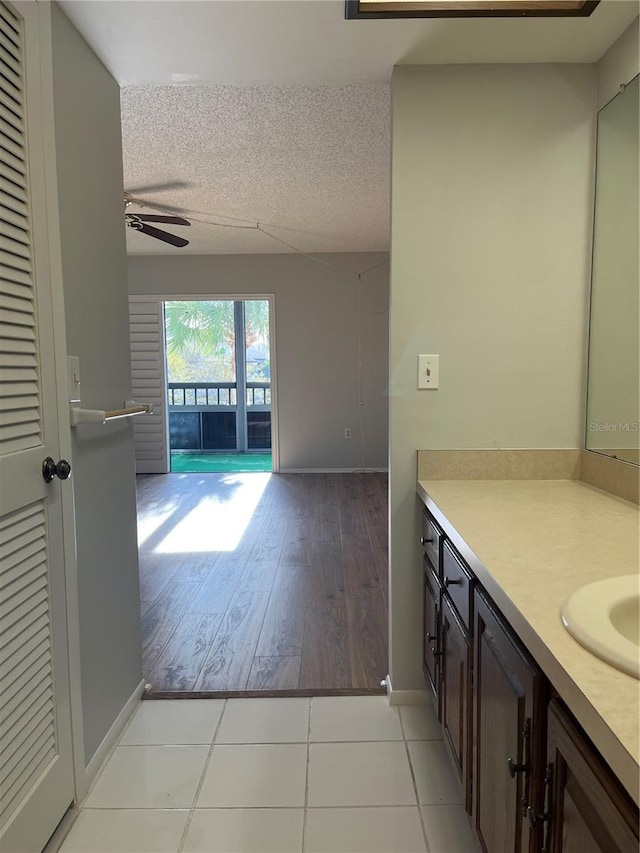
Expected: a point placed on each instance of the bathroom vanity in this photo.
(544, 735)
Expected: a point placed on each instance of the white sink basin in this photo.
(604, 618)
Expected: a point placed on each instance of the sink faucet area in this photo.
(604, 618)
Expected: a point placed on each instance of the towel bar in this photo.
(101, 416)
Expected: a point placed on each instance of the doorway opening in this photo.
(250, 582)
(218, 371)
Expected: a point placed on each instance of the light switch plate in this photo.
(428, 371)
(73, 374)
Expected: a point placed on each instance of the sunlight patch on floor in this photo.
(217, 523)
(152, 521)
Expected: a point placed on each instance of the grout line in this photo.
(264, 808)
(207, 761)
(415, 787)
(306, 781)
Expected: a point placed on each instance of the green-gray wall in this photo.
(317, 316)
(94, 267)
(492, 192)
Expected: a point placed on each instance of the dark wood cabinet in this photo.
(587, 810)
(431, 634)
(509, 737)
(430, 541)
(455, 685)
(532, 782)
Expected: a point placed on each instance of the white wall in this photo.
(89, 171)
(492, 188)
(620, 64)
(316, 333)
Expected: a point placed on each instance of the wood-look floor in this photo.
(279, 589)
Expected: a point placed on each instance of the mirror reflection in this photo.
(614, 347)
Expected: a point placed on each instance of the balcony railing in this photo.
(213, 395)
(203, 416)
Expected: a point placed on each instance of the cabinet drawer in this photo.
(430, 541)
(458, 583)
(434, 577)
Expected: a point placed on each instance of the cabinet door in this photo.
(589, 810)
(456, 661)
(431, 635)
(509, 738)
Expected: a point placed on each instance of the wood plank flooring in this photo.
(263, 582)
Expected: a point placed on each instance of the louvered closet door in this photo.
(36, 778)
(148, 383)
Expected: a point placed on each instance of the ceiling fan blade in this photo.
(167, 208)
(162, 235)
(168, 220)
(158, 188)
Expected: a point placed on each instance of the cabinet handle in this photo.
(546, 817)
(431, 638)
(516, 768)
(452, 582)
(523, 767)
(424, 540)
(534, 819)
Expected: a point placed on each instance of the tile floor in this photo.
(323, 775)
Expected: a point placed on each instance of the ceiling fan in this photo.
(141, 222)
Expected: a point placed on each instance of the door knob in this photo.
(50, 469)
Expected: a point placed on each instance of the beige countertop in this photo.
(532, 543)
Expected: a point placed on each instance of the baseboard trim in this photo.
(333, 471)
(303, 692)
(405, 697)
(62, 830)
(111, 738)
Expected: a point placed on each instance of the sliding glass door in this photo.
(218, 375)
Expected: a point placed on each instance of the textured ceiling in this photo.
(277, 111)
(309, 164)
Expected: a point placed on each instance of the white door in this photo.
(36, 775)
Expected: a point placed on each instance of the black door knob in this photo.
(50, 469)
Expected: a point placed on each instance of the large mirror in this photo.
(613, 392)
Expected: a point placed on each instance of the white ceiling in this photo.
(277, 111)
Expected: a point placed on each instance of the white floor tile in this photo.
(352, 718)
(265, 721)
(435, 778)
(245, 831)
(379, 830)
(448, 830)
(126, 831)
(174, 721)
(149, 777)
(255, 776)
(360, 774)
(420, 722)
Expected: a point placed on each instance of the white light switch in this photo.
(73, 374)
(428, 371)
